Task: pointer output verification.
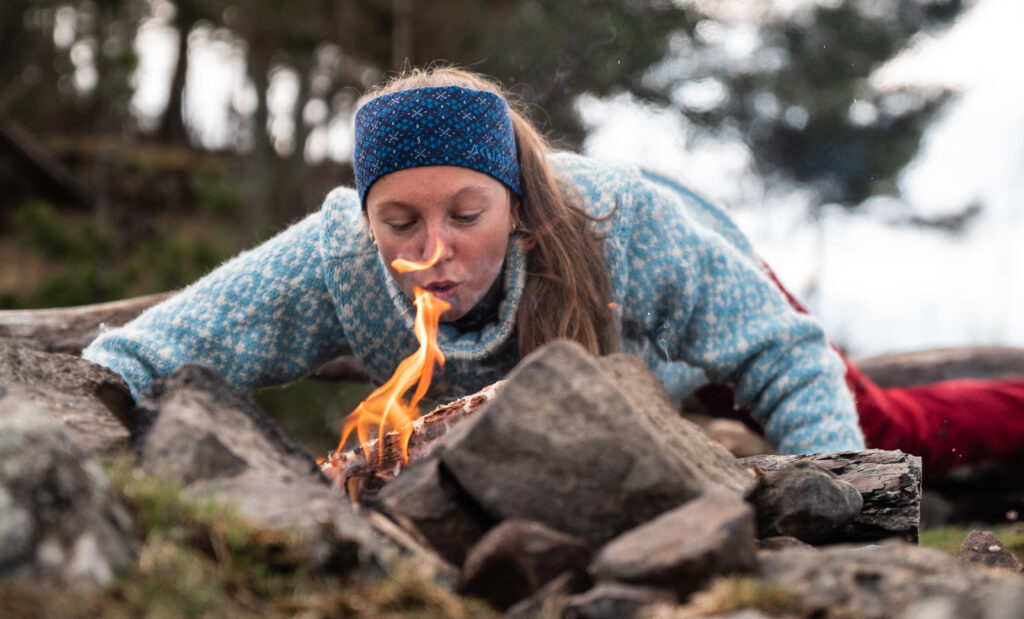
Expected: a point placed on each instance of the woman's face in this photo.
(410, 210)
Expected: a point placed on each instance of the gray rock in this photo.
(888, 580)
(586, 446)
(59, 517)
(200, 430)
(805, 501)
(684, 549)
(984, 548)
(613, 600)
(196, 426)
(517, 557)
(328, 533)
(90, 400)
(427, 498)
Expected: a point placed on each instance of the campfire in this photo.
(384, 421)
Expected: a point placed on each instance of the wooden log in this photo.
(70, 329)
(929, 366)
(888, 481)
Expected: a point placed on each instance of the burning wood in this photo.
(385, 408)
(364, 470)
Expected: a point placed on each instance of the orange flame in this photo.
(384, 408)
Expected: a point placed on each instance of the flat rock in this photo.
(91, 401)
(59, 518)
(888, 580)
(984, 548)
(588, 446)
(517, 557)
(683, 549)
(805, 501)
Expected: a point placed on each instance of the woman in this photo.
(535, 246)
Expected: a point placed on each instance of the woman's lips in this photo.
(445, 290)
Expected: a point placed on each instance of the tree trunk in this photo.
(172, 122)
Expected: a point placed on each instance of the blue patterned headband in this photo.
(448, 125)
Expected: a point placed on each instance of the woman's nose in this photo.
(434, 237)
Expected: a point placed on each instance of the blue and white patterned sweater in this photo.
(694, 303)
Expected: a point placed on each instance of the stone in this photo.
(91, 401)
(517, 557)
(327, 532)
(805, 501)
(683, 549)
(59, 517)
(196, 428)
(428, 498)
(984, 548)
(591, 447)
(613, 600)
(890, 579)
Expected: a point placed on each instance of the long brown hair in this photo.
(567, 293)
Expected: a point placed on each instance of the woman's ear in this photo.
(369, 230)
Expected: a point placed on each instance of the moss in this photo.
(731, 594)
(198, 559)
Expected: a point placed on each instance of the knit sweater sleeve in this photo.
(263, 318)
(698, 299)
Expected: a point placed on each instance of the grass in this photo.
(201, 560)
(732, 594)
(949, 539)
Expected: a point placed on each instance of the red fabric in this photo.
(949, 423)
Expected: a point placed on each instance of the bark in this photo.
(889, 483)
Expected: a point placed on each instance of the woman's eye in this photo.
(466, 218)
(399, 226)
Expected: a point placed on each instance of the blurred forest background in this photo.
(142, 142)
(106, 196)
